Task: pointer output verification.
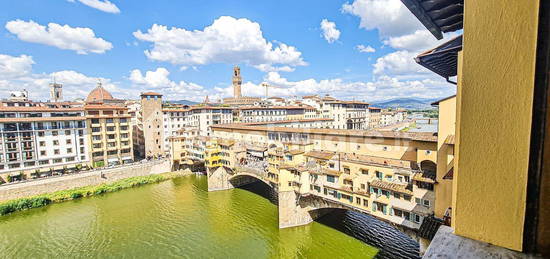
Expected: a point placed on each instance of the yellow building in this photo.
(445, 157)
(390, 175)
(500, 180)
(110, 135)
(108, 122)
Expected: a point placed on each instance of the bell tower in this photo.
(56, 92)
(237, 81)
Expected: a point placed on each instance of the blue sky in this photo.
(186, 49)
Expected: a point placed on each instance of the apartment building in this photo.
(198, 117)
(346, 114)
(108, 122)
(136, 123)
(272, 113)
(39, 140)
(389, 117)
(110, 134)
(375, 115)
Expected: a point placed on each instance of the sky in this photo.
(354, 50)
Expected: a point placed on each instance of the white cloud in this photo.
(159, 80)
(390, 17)
(398, 63)
(105, 6)
(12, 67)
(330, 33)
(384, 87)
(365, 49)
(417, 41)
(81, 40)
(227, 40)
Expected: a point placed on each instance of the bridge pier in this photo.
(293, 213)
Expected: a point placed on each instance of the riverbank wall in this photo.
(96, 177)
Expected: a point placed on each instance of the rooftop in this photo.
(415, 136)
(438, 16)
(98, 94)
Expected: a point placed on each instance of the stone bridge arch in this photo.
(242, 178)
(224, 178)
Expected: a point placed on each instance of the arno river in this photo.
(180, 219)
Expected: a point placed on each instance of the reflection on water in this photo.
(391, 242)
(173, 219)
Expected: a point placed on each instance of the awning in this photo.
(443, 59)
(438, 16)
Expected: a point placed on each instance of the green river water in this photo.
(172, 219)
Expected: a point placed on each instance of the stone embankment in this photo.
(95, 177)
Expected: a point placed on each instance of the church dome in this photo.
(99, 94)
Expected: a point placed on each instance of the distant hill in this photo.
(406, 103)
(184, 102)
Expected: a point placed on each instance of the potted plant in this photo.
(35, 174)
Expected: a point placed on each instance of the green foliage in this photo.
(23, 204)
(59, 196)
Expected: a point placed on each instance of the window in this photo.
(67, 132)
(331, 165)
(379, 175)
(55, 133)
(365, 171)
(42, 143)
(41, 134)
(417, 218)
(58, 160)
(426, 203)
(56, 142)
(358, 200)
(70, 159)
(56, 151)
(331, 178)
(365, 202)
(42, 153)
(418, 200)
(346, 170)
(68, 141)
(43, 162)
(407, 197)
(397, 213)
(69, 150)
(396, 195)
(363, 186)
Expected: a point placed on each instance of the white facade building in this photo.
(42, 138)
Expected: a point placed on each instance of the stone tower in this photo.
(153, 129)
(237, 81)
(56, 92)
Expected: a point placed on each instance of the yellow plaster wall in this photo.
(446, 127)
(495, 96)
